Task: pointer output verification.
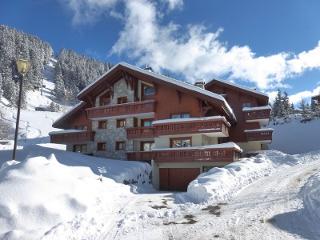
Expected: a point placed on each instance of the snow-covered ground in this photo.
(296, 137)
(49, 193)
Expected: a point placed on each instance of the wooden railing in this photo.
(140, 156)
(72, 137)
(265, 135)
(122, 109)
(257, 114)
(140, 132)
(202, 126)
(187, 155)
(196, 155)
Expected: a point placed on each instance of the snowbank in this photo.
(220, 184)
(40, 193)
(132, 172)
(296, 137)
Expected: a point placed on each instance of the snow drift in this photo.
(39, 193)
(220, 184)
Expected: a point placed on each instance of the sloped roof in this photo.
(68, 114)
(210, 96)
(234, 85)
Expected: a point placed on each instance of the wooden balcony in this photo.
(217, 126)
(259, 135)
(256, 114)
(140, 156)
(121, 109)
(196, 155)
(140, 132)
(71, 137)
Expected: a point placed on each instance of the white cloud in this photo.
(197, 53)
(297, 97)
(88, 11)
(173, 4)
(193, 51)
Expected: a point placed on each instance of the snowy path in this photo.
(270, 208)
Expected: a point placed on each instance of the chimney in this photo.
(148, 68)
(200, 83)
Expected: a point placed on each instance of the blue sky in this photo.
(262, 44)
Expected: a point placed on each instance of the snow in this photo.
(239, 86)
(69, 111)
(41, 193)
(67, 131)
(214, 146)
(169, 80)
(258, 130)
(248, 109)
(296, 137)
(174, 120)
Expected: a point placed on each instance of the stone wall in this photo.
(113, 134)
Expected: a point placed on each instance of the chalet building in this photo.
(181, 129)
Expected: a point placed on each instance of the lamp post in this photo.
(23, 67)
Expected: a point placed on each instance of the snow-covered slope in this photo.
(296, 137)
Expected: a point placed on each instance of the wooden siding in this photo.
(72, 137)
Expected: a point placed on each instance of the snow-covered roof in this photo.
(176, 120)
(214, 146)
(168, 80)
(67, 131)
(237, 86)
(248, 109)
(259, 130)
(80, 104)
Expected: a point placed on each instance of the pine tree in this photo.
(59, 90)
(286, 106)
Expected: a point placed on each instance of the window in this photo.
(147, 146)
(122, 100)
(180, 142)
(102, 124)
(104, 99)
(180, 115)
(101, 146)
(246, 105)
(146, 122)
(147, 90)
(121, 145)
(81, 148)
(121, 123)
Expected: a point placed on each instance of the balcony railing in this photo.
(215, 125)
(72, 137)
(196, 155)
(122, 109)
(140, 156)
(257, 114)
(187, 155)
(140, 132)
(259, 135)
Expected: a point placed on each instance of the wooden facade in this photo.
(214, 115)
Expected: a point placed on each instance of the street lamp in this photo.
(23, 67)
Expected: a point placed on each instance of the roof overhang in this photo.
(115, 72)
